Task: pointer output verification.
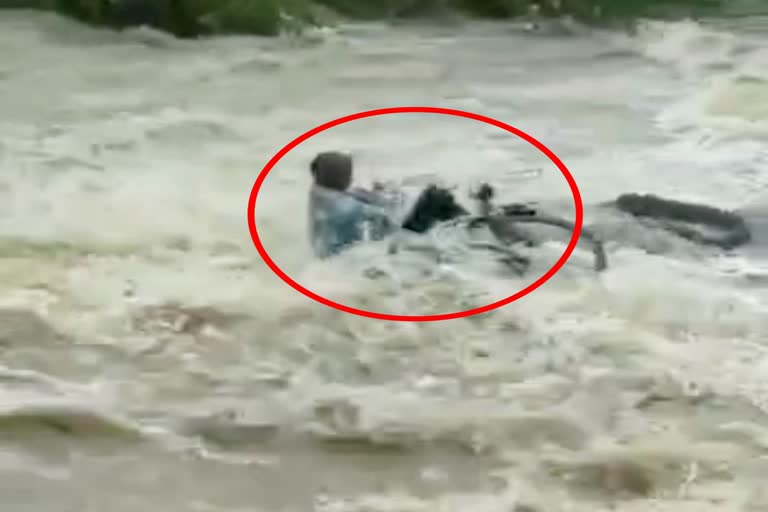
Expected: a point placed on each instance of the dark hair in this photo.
(332, 169)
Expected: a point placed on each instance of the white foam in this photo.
(105, 213)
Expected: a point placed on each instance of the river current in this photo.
(149, 358)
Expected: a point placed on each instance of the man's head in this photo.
(332, 169)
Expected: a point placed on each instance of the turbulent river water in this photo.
(150, 360)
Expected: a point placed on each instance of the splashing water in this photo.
(150, 359)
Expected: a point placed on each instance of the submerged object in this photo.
(689, 220)
(527, 215)
(436, 209)
(434, 205)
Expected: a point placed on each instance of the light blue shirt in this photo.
(337, 220)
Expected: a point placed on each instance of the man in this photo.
(339, 216)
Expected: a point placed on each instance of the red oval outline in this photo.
(428, 110)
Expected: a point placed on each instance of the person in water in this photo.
(339, 216)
